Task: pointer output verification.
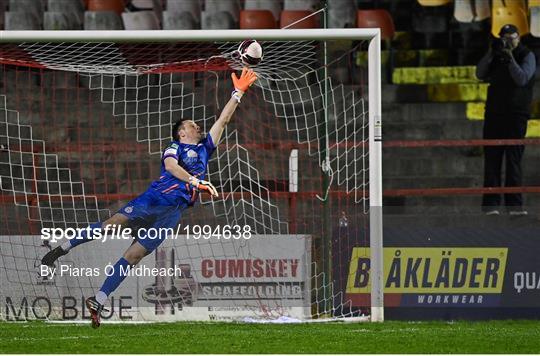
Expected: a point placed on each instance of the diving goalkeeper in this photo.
(183, 170)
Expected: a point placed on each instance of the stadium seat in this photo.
(222, 20)
(435, 2)
(102, 20)
(533, 3)
(143, 5)
(74, 6)
(505, 15)
(146, 5)
(33, 6)
(271, 5)
(178, 7)
(179, 21)
(21, 21)
(106, 5)
(289, 17)
(535, 21)
(257, 19)
(233, 7)
(61, 21)
(341, 13)
(310, 5)
(377, 18)
(140, 20)
(471, 10)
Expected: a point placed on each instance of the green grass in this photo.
(389, 337)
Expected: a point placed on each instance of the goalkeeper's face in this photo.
(189, 132)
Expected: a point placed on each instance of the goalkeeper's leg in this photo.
(168, 218)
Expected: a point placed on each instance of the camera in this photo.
(499, 45)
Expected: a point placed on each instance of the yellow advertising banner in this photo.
(432, 270)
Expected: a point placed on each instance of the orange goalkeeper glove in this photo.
(203, 185)
(247, 78)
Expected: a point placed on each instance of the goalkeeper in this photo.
(183, 170)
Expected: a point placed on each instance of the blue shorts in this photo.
(150, 210)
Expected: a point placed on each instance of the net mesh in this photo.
(82, 128)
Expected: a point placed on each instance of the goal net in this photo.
(84, 120)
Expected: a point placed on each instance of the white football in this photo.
(250, 52)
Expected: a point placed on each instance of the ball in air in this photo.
(250, 52)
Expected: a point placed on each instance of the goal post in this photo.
(146, 80)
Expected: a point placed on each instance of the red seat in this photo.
(257, 19)
(291, 16)
(377, 18)
(106, 5)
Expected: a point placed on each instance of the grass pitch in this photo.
(389, 337)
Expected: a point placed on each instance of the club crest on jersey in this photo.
(192, 154)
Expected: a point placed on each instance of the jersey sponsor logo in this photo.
(128, 209)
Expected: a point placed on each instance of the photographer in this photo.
(509, 69)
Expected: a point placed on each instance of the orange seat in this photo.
(377, 18)
(257, 19)
(106, 5)
(289, 17)
(434, 2)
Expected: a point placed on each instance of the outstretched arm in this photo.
(241, 85)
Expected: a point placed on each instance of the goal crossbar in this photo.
(188, 35)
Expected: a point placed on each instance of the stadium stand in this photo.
(179, 21)
(520, 4)
(298, 19)
(71, 8)
(341, 13)
(140, 20)
(218, 20)
(102, 20)
(309, 5)
(22, 21)
(33, 6)
(143, 5)
(432, 94)
(271, 5)
(62, 21)
(257, 19)
(471, 11)
(428, 22)
(179, 7)
(233, 7)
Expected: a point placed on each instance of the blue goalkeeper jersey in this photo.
(194, 159)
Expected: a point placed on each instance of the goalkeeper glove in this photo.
(203, 185)
(242, 84)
